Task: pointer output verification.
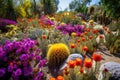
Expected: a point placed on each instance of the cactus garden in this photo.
(41, 41)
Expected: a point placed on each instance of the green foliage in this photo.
(113, 42)
(49, 6)
(7, 9)
(112, 7)
(114, 26)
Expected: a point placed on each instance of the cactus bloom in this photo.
(97, 57)
(60, 78)
(52, 78)
(85, 48)
(44, 36)
(72, 46)
(71, 64)
(78, 62)
(88, 63)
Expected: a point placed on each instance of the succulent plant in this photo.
(113, 42)
(57, 54)
(34, 33)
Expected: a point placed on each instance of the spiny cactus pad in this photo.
(57, 54)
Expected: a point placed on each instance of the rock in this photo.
(113, 68)
(71, 57)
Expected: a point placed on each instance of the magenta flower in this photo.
(18, 72)
(2, 72)
(24, 57)
(10, 68)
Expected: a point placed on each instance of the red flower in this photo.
(88, 63)
(72, 46)
(78, 40)
(101, 36)
(78, 62)
(97, 57)
(85, 48)
(65, 68)
(71, 64)
(105, 70)
(81, 35)
(94, 31)
(85, 32)
(83, 39)
(81, 70)
(90, 37)
(44, 37)
(66, 73)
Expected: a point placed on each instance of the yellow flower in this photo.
(91, 21)
(73, 34)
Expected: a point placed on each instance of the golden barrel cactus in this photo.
(57, 54)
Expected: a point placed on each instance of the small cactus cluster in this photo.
(57, 54)
(112, 41)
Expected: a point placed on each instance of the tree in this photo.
(7, 9)
(112, 8)
(49, 6)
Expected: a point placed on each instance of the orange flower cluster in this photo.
(58, 78)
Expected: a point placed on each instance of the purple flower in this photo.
(40, 74)
(25, 63)
(24, 57)
(4, 22)
(27, 70)
(2, 72)
(18, 72)
(31, 55)
(2, 52)
(10, 68)
(42, 63)
(38, 57)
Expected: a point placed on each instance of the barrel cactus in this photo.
(57, 54)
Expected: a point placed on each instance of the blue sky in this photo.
(65, 4)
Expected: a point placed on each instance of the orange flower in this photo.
(85, 32)
(71, 64)
(78, 62)
(44, 37)
(60, 78)
(90, 37)
(81, 35)
(72, 46)
(88, 63)
(78, 40)
(83, 39)
(52, 78)
(97, 57)
(88, 29)
(85, 48)
(81, 70)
